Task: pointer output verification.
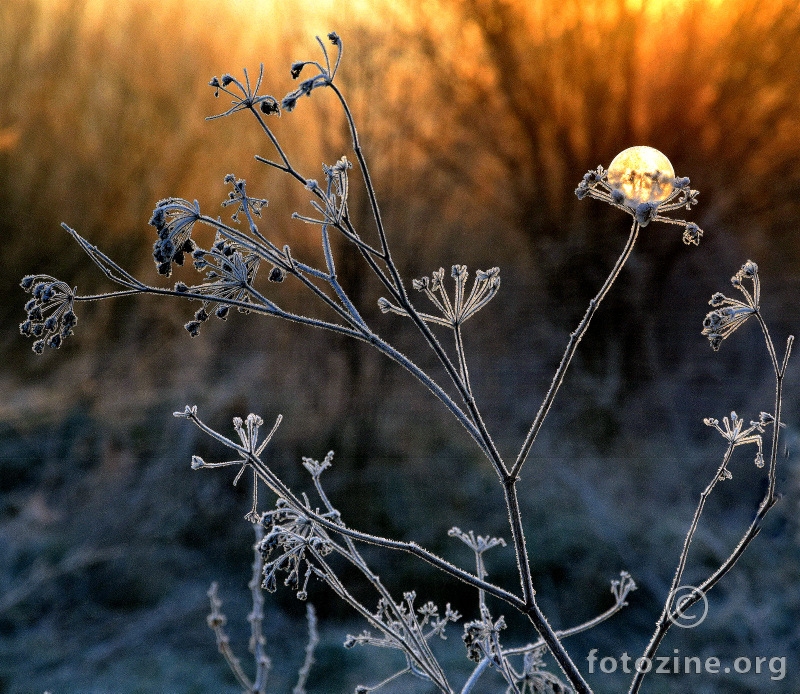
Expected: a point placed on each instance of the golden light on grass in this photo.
(642, 174)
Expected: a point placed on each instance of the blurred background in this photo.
(478, 117)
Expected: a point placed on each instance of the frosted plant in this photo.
(217, 621)
(300, 539)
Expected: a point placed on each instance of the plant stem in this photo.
(664, 621)
(531, 608)
(462, 359)
(695, 520)
(256, 617)
(550, 637)
(769, 500)
(572, 345)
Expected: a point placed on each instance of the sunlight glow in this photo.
(643, 174)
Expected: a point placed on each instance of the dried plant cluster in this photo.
(301, 538)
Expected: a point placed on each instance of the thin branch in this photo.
(373, 201)
(572, 345)
(256, 616)
(770, 346)
(676, 581)
(769, 500)
(279, 488)
(462, 359)
(107, 295)
(331, 265)
(313, 640)
(106, 265)
(216, 621)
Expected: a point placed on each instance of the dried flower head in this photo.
(462, 307)
(642, 182)
(229, 272)
(730, 314)
(50, 315)
(174, 219)
(323, 78)
(536, 679)
(246, 205)
(734, 432)
(248, 430)
(297, 541)
(481, 638)
(245, 96)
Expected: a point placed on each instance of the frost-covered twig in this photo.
(620, 589)
(311, 645)
(216, 622)
(727, 316)
(299, 540)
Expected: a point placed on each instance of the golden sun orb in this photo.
(641, 174)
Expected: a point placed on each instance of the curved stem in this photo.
(474, 431)
(373, 201)
(665, 619)
(572, 345)
(354, 556)
(695, 520)
(769, 500)
(572, 631)
(768, 340)
(475, 676)
(367, 251)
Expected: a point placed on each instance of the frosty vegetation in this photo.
(301, 536)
